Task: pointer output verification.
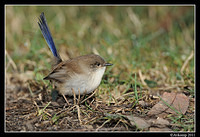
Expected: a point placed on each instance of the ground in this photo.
(30, 107)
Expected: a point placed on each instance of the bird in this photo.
(79, 75)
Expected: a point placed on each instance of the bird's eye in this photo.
(97, 64)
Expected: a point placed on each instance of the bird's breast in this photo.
(85, 83)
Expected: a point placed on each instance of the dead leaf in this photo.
(161, 121)
(179, 101)
(181, 104)
(138, 122)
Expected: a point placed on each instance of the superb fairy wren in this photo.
(82, 74)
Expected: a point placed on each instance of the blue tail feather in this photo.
(47, 35)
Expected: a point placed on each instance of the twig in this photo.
(36, 105)
(95, 107)
(116, 125)
(65, 111)
(94, 118)
(65, 99)
(79, 115)
(77, 107)
(40, 111)
(89, 97)
(47, 113)
(11, 61)
(186, 62)
(122, 100)
(142, 78)
(103, 124)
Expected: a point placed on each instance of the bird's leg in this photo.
(84, 93)
(74, 96)
(79, 95)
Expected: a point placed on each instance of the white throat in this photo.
(95, 79)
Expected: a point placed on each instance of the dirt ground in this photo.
(30, 107)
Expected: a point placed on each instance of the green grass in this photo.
(154, 39)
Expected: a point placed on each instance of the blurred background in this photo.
(154, 40)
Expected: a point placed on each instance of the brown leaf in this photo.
(138, 122)
(181, 103)
(159, 122)
(178, 101)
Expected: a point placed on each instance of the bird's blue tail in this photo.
(47, 35)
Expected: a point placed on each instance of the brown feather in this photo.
(66, 69)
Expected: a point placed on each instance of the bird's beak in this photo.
(108, 64)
